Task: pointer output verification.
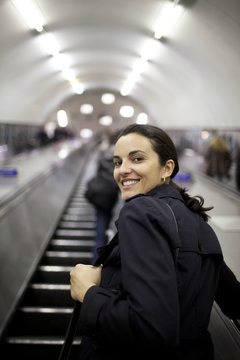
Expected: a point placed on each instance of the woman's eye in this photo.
(137, 159)
(116, 163)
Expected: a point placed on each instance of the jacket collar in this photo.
(162, 191)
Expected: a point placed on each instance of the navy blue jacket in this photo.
(159, 279)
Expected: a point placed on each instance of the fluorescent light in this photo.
(61, 61)
(167, 19)
(126, 89)
(86, 108)
(86, 133)
(149, 49)
(126, 111)
(69, 74)
(140, 65)
(142, 118)
(77, 86)
(34, 19)
(31, 13)
(62, 118)
(50, 44)
(105, 120)
(108, 98)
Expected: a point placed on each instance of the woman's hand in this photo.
(82, 278)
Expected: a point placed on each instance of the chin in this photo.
(126, 196)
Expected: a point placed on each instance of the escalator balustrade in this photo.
(39, 325)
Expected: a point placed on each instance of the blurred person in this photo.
(237, 172)
(218, 159)
(102, 192)
(152, 288)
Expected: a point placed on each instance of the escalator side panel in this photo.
(26, 223)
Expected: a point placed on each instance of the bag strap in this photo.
(72, 327)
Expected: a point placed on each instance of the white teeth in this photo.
(129, 182)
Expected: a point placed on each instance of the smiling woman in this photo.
(152, 287)
(137, 167)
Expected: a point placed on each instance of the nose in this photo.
(125, 168)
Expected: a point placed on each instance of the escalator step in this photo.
(75, 234)
(40, 321)
(52, 274)
(71, 245)
(85, 218)
(66, 258)
(77, 225)
(79, 204)
(78, 211)
(37, 348)
(48, 295)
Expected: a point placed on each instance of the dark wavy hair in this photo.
(166, 150)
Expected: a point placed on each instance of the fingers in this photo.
(82, 277)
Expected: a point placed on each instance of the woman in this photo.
(153, 286)
(218, 158)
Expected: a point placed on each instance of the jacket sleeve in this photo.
(146, 309)
(228, 293)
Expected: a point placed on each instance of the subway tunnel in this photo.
(71, 73)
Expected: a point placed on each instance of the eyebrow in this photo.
(131, 153)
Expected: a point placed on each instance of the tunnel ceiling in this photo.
(191, 80)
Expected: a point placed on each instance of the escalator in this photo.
(39, 324)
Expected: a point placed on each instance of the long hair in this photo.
(163, 145)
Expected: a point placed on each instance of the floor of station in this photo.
(225, 217)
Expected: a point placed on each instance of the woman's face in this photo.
(137, 169)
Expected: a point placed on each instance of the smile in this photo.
(129, 182)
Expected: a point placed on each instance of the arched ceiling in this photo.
(192, 80)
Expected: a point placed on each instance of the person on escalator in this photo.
(102, 192)
(152, 288)
(218, 159)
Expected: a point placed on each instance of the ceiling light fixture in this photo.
(167, 19)
(126, 111)
(49, 43)
(31, 13)
(86, 109)
(148, 52)
(69, 74)
(142, 118)
(108, 98)
(77, 86)
(62, 118)
(86, 133)
(126, 89)
(34, 19)
(105, 120)
(61, 62)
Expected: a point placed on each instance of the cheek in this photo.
(155, 177)
(115, 174)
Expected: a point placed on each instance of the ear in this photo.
(169, 167)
